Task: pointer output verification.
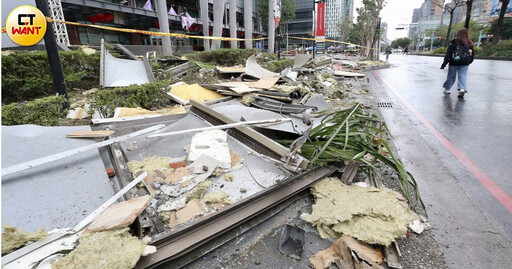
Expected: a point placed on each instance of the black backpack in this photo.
(461, 55)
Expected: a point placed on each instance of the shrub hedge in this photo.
(223, 57)
(149, 96)
(43, 111)
(502, 49)
(26, 75)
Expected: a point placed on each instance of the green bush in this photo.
(502, 49)
(441, 50)
(44, 111)
(223, 57)
(26, 75)
(149, 96)
(477, 50)
(279, 65)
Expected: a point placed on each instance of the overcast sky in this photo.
(394, 13)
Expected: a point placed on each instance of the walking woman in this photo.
(459, 55)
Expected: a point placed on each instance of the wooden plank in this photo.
(230, 70)
(54, 157)
(348, 74)
(265, 83)
(119, 215)
(90, 134)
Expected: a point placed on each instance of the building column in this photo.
(232, 23)
(218, 16)
(271, 27)
(203, 5)
(163, 20)
(248, 24)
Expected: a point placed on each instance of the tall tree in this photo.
(368, 20)
(400, 42)
(450, 8)
(506, 28)
(497, 30)
(469, 7)
(287, 11)
(344, 29)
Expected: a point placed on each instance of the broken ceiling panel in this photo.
(54, 195)
(252, 172)
(122, 72)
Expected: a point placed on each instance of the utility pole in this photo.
(271, 27)
(287, 37)
(203, 5)
(163, 21)
(432, 41)
(314, 27)
(53, 54)
(232, 23)
(248, 23)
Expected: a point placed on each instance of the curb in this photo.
(374, 67)
(476, 57)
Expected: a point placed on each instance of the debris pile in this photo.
(108, 249)
(378, 216)
(181, 191)
(272, 118)
(348, 253)
(14, 238)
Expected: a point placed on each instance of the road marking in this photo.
(485, 180)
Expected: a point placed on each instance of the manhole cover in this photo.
(385, 104)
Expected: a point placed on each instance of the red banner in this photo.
(320, 19)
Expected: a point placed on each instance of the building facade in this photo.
(138, 14)
(336, 11)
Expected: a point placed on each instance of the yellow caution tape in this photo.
(153, 33)
(191, 36)
(327, 40)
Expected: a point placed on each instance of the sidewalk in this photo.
(467, 238)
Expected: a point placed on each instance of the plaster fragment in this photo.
(375, 216)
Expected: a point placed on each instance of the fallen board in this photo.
(265, 83)
(119, 215)
(90, 134)
(348, 74)
(230, 70)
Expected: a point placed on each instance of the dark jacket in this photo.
(448, 58)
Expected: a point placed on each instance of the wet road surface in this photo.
(472, 137)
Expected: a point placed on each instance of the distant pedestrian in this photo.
(406, 50)
(388, 51)
(459, 55)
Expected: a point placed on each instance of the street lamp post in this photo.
(432, 41)
(314, 27)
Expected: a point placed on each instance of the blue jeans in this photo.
(462, 71)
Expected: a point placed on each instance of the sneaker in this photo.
(446, 91)
(462, 92)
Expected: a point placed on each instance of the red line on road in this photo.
(485, 180)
